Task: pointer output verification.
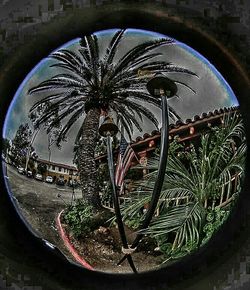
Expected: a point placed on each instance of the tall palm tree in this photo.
(194, 180)
(92, 83)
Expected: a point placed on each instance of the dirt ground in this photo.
(39, 204)
(102, 249)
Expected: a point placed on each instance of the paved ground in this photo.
(21, 185)
(39, 203)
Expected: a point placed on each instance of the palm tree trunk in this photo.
(86, 161)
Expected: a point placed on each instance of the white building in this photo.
(58, 170)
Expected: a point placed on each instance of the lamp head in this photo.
(161, 85)
(108, 127)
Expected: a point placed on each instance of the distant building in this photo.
(58, 170)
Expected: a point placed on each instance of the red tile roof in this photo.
(180, 126)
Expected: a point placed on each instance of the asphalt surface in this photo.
(21, 185)
(39, 202)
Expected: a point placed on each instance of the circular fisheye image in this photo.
(125, 149)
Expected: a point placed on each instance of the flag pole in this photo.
(109, 129)
(121, 229)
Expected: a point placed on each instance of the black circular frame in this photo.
(32, 249)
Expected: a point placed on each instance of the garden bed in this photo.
(101, 249)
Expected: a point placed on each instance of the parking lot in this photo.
(40, 202)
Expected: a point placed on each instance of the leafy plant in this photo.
(134, 222)
(215, 218)
(20, 143)
(200, 184)
(79, 218)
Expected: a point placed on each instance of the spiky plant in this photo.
(195, 180)
(91, 83)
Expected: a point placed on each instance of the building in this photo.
(185, 132)
(58, 170)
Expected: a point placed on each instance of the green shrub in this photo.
(79, 218)
(215, 218)
(133, 223)
(169, 253)
(184, 250)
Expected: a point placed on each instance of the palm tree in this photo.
(92, 83)
(196, 183)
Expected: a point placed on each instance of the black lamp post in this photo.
(164, 88)
(108, 129)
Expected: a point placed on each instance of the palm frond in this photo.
(90, 53)
(143, 110)
(124, 115)
(48, 99)
(63, 132)
(166, 68)
(58, 83)
(112, 85)
(71, 57)
(130, 116)
(185, 85)
(69, 60)
(173, 114)
(134, 66)
(122, 123)
(184, 220)
(130, 210)
(140, 50)
(64, 109)
(142, 96)
(113, 46)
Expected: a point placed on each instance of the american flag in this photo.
(125, 156)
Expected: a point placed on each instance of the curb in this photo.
(69, 246)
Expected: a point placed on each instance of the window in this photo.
(59, 169)
(53, 167)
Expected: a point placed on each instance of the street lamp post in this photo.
(164, 88)
(108, 129)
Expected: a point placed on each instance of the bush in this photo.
(171, 254)
(215, 218)
(133, 223)
(79, 218)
